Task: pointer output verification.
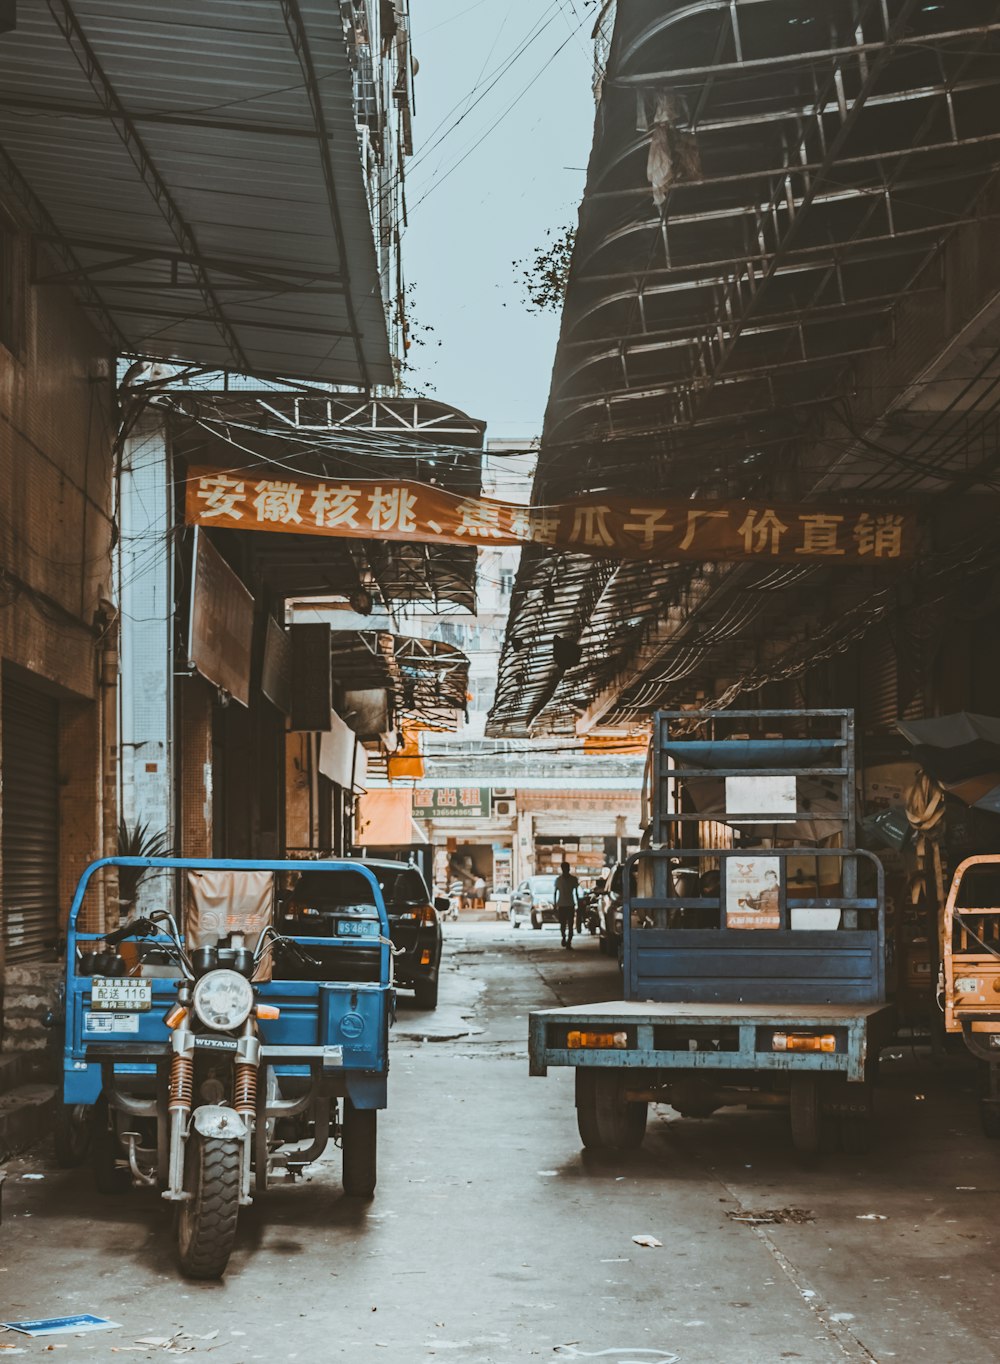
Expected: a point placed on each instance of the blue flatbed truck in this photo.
(754, 951)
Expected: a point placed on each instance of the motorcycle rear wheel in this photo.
(206, 1222)
(359, 1136)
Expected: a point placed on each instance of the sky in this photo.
(473, 210)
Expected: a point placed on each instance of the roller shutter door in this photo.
(30, 844)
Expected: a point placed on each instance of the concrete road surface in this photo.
(492, 1239)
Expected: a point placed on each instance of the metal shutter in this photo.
(30, 844)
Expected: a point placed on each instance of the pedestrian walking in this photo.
(567, 898)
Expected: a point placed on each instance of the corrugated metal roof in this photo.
(251, 260)
(778, 193)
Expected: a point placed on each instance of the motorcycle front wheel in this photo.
(206, 1222)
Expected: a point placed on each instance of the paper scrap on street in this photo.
(649, 1241)
(872, 1217)
(62, 1326)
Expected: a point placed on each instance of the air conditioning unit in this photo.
(504, 807)
(503, 793)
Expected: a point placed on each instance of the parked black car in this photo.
(340, 908)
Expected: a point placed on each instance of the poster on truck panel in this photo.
(753, 892)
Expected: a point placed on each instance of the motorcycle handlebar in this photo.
(136, 928)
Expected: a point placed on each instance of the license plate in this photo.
(121, 994)
(357, 928)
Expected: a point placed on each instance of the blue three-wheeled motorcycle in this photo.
(203, 1058)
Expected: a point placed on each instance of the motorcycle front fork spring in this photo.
(181, 1091)
(245, 1090)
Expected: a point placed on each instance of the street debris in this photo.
(765, 1216)
(62, 1326)
(617, 1352)
(649, 1241)
(32, 1176)
(872, 1217)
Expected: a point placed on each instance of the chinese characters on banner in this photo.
(450, 802)
(610, 526)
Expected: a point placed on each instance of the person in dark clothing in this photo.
(567, 898)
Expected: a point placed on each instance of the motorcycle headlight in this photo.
(223, 1000)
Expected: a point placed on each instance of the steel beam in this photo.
(295, 24)
(44, 230)
(69, 26)
(819, 57)
(227, 265)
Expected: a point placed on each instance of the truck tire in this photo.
(806, 1112)
(606, 1120)
(535, 922)
(206, 1223)
(359, 1136)
(425, 992)
(72, 1133)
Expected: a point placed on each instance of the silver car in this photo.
(535, 901)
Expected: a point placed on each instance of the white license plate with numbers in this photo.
(121, 994)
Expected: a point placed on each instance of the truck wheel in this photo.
(535, 922)
(806, 1113)
(206, 1222)
(359, 1135)
(425, 993)
(606, 1120)
(71, 1135)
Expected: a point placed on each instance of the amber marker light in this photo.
(176, 1016)
(577, 1039)
(803, 1041)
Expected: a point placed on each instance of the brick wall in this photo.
(57, 423)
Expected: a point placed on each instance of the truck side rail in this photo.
(683, 947)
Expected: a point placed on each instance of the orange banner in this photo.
(610, 526)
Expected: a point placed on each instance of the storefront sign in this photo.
(611, 526)
(220, 635)
(451, 802)
(276, 672)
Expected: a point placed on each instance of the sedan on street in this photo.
(534, 901)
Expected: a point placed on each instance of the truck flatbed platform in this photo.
(688, 1036)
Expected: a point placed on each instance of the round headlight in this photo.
(223, 1000)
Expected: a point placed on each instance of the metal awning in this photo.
(330, 436)
(195, 169)
(427, 680)
(779, 195)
